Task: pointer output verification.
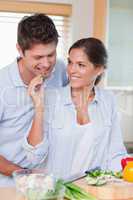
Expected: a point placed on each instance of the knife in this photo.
(79, 175)
(74, 177)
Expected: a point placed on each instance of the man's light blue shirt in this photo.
(16, 114)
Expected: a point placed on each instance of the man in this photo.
(36, 43)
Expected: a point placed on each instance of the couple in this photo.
(66, 129)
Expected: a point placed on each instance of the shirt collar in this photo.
(67, 95)
(15, 75)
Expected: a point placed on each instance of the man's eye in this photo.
(37, 57)
(52, 55)
(81, 65)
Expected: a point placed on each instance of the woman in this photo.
(81, 121)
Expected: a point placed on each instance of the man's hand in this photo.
(7, 167)
(36, 91)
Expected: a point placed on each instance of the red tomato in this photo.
(124, 161)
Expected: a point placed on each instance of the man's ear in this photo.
(20, 50)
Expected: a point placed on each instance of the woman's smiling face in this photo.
(81, 71)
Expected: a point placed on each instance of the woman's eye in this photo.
(69, 62)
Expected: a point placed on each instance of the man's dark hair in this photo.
(94, 50)
(36, 29)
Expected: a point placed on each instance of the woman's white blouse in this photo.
(74, 147)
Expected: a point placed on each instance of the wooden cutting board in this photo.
(111, 191)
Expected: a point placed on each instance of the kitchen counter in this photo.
(10, 194)
(106, 192)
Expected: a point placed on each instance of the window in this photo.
(8, 35)
(120, 43)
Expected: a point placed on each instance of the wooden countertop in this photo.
(113, 191)
(10, 194)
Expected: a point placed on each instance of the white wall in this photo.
(82, 19)
(120, 66)
(125, 108)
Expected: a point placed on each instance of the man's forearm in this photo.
(36, 133)
(7, 167)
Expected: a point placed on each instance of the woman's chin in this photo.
(75, 85)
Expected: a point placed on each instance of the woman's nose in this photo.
(73, 67)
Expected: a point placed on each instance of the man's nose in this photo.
(45, 62)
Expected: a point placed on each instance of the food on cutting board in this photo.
(128, 172)
(99, 177)
(124, 161)
(74, 192)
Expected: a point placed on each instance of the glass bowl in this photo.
(37, 184)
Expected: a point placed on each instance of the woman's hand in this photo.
(36, 91)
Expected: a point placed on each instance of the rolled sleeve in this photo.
(36, 154)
